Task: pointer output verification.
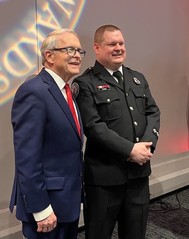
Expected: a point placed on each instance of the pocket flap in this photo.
(105, 97)
(54, 183)
(139, 92)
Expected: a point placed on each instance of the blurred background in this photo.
(157, 43)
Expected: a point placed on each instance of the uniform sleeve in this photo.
(152, 114)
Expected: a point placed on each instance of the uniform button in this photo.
(131, 108)
(135, 123)
(137, 139)
(108, 100)
(127, 94)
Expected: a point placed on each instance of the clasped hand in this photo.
(141, 153)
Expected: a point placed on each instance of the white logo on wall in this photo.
(20, 46)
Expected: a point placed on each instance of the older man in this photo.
(48, 141)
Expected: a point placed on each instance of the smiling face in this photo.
(60, 62)
(111, 51)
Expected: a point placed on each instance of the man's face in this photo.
(111, 52)
(63, 64)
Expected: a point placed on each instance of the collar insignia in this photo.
(136, 81)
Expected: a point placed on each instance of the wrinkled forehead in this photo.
(68, 39)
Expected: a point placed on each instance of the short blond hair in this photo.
(98, 37)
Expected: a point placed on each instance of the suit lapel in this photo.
(104, 75)
(128, 78)
(58, 96)
(110, 80)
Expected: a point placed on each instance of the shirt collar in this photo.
(59, 81)
(111, 72)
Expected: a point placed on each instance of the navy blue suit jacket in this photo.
(48, 152)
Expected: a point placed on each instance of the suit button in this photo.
(135, 123)
(108, 100)
(25, 200)
(131, 108)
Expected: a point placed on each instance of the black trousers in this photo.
(127, 205)
(62, 231)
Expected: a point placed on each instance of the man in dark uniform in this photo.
(121, 122)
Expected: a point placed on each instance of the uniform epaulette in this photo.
(87, 70)
(129, 69)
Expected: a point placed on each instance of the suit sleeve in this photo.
(28, 119)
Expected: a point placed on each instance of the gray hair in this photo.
(50, 42)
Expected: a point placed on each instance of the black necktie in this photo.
(119, 76)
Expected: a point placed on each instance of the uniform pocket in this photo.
(140, 98)
(108, 105)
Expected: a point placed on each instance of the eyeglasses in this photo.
(71, 51)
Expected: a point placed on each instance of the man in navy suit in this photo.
(48, 145)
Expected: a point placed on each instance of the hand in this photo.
(48, 224)
(141, 153)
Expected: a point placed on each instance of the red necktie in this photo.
(70, 103)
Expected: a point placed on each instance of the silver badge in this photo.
(136, 81)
